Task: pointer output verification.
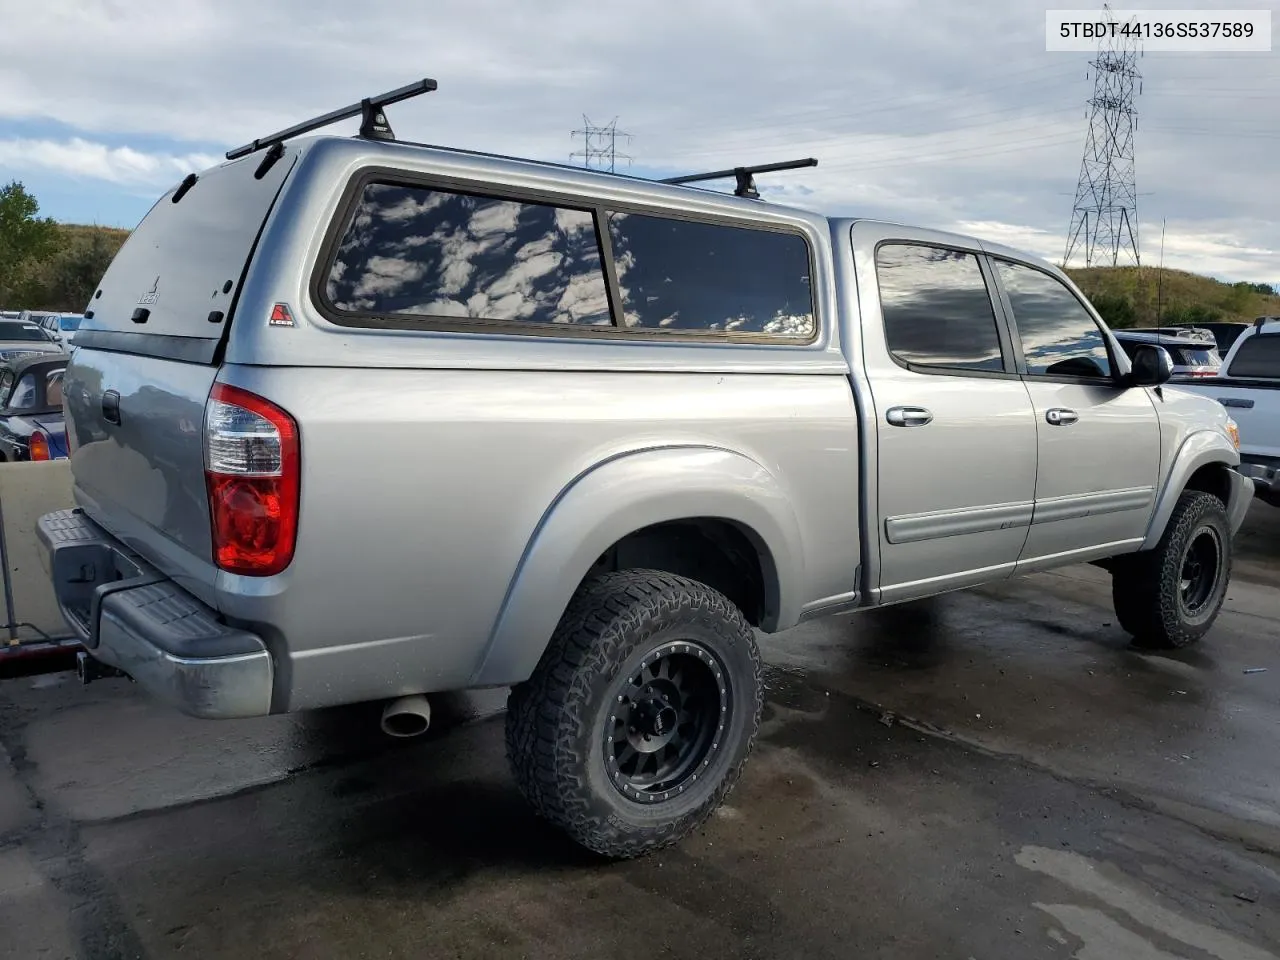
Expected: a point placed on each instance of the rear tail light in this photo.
(251, 463)
(39, 446)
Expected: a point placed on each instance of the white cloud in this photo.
(85, 159)
(1042, 243)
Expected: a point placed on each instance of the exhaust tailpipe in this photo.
(407, 716)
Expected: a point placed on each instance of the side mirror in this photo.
(1152, 366)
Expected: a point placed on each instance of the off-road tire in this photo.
(558, 719)
(1146, 588)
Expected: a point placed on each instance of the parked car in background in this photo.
(61, 327)
(622, 425)
(10, 314)
(22, 338)
(1224, 333)
(37, 317)
(1194, 352)
(31, 425)
(1248, 386)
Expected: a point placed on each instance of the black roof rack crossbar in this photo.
(745, 175)
(373, 123)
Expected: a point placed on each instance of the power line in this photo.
(908, 137)
(600, 145)
(910, 105)
(976, 152)
(1104, 217)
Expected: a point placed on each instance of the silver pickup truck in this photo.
(354, 419)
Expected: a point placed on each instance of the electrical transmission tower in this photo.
(1104, 218)
(600, 145)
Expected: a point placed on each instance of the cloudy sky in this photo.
(940, 113)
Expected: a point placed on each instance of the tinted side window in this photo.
(936, 308)
(415, 251)
(1257, 358)
(682, 275)
(1059, 337)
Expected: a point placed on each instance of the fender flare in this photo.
(617, 497)
(1200, 449)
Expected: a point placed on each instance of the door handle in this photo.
(908, 416)
(1061, 416)
(111, 407)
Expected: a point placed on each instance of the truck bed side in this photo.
(424, 488)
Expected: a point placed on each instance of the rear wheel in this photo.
(1170, 596)
(639, 718)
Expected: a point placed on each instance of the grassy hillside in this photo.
(67, 277)
(80, 232)
(1130, 296)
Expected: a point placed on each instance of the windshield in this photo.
(16, 330)
(70, 323)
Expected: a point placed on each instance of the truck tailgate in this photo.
(135, 426)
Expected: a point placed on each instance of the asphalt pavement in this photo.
(993, 773)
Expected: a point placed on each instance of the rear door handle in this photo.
(908, 416)
(1061, 416)
(111, 407)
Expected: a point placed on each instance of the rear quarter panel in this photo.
(423, 488)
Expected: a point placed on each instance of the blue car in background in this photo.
(31, 424)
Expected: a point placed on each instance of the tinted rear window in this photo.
(21, 330)
(415, 251)
(1257, 358)
(185, 259)
(936, 308)
(411, 251)
(683, 275)
(1191, 357)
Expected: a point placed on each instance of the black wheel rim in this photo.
(1200, 566)
(668, 722)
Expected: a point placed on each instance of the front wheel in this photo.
(639, 718)
(1170, 596)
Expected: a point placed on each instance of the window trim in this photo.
(1007, 356)
(1024, 371)
(599, 209)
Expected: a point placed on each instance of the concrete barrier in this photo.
(27, 491)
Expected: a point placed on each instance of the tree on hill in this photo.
(68, 279)
(25, 241)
